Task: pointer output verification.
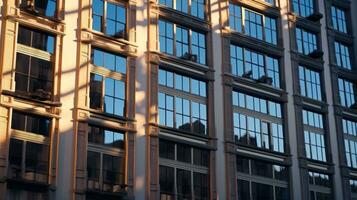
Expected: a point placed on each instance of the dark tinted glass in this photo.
(200, 186)
(36, 158)
(34, 75)
(36, 39)
(262, 191)
(93, 165)
(167, 149)
(183, 153)
(31, 123)
(242, 165)
(243, 190)
(166, 180)
(183, 182)
(261, 168)
(106, 137)
(96, 87)
(113, 172)
(15, 153)
(200, 157)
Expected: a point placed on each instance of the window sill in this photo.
(27, 97)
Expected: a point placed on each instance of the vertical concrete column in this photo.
(215, 9)
(141, 95)
(67, 128)
(295, 182)
(337, 181)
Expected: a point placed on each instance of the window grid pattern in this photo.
(339, 21)
(195, 8)
(34, 73)
(253, 24)
(346, 92)
(28, 158)
(196, 46)
(350, 135)
(109, 18)
(306, 41)
(261, 180)
(46, 8)
(244, 60)
(314, 136)
(258, 133)
(179, 110)
(304, 8)
(257, 104)
(323, 183)
(310, 83)
(342, 54)
(107, 89)
(190, 182)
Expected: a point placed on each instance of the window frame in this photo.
(336, 20)
(351, 94)
(32, 8)
(102, 150)
(40, 54)
(175, 93)
(190, 167)
(267, 68)
(26, 137)
(315, 189)
(316, 87)
(268, 118)
(274, 41)
(104, 20)
(188, 6)
(300, 41)
(107, 73)
(314, 125)
(306, 7)
(253, 178)
(343, 60)
(174, 40)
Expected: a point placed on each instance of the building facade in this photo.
(178, 99)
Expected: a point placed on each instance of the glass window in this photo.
(190, 115)
(182, 5)
(198, 8)
(167, 149)
(304, 8)
(188, 181)
(346, 91)
(31, 123)
(34, 74)
(339, 21)
(323, 191)
(306, 41)
(167, 3)
(235, 17)
(166, 182)
(272, 179)
(195, 50)
(107, 93)
(257, 104)
(166, 35)
(43, 7)
(195, 8)
(255, 24)
(166, 110)
(110, 168)
(245, 61)
(309, 83)
(109, 18)
(353, 187)
(36, 160)
(350, 135)
(342, 55)
(315, 146)
(106, 137)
